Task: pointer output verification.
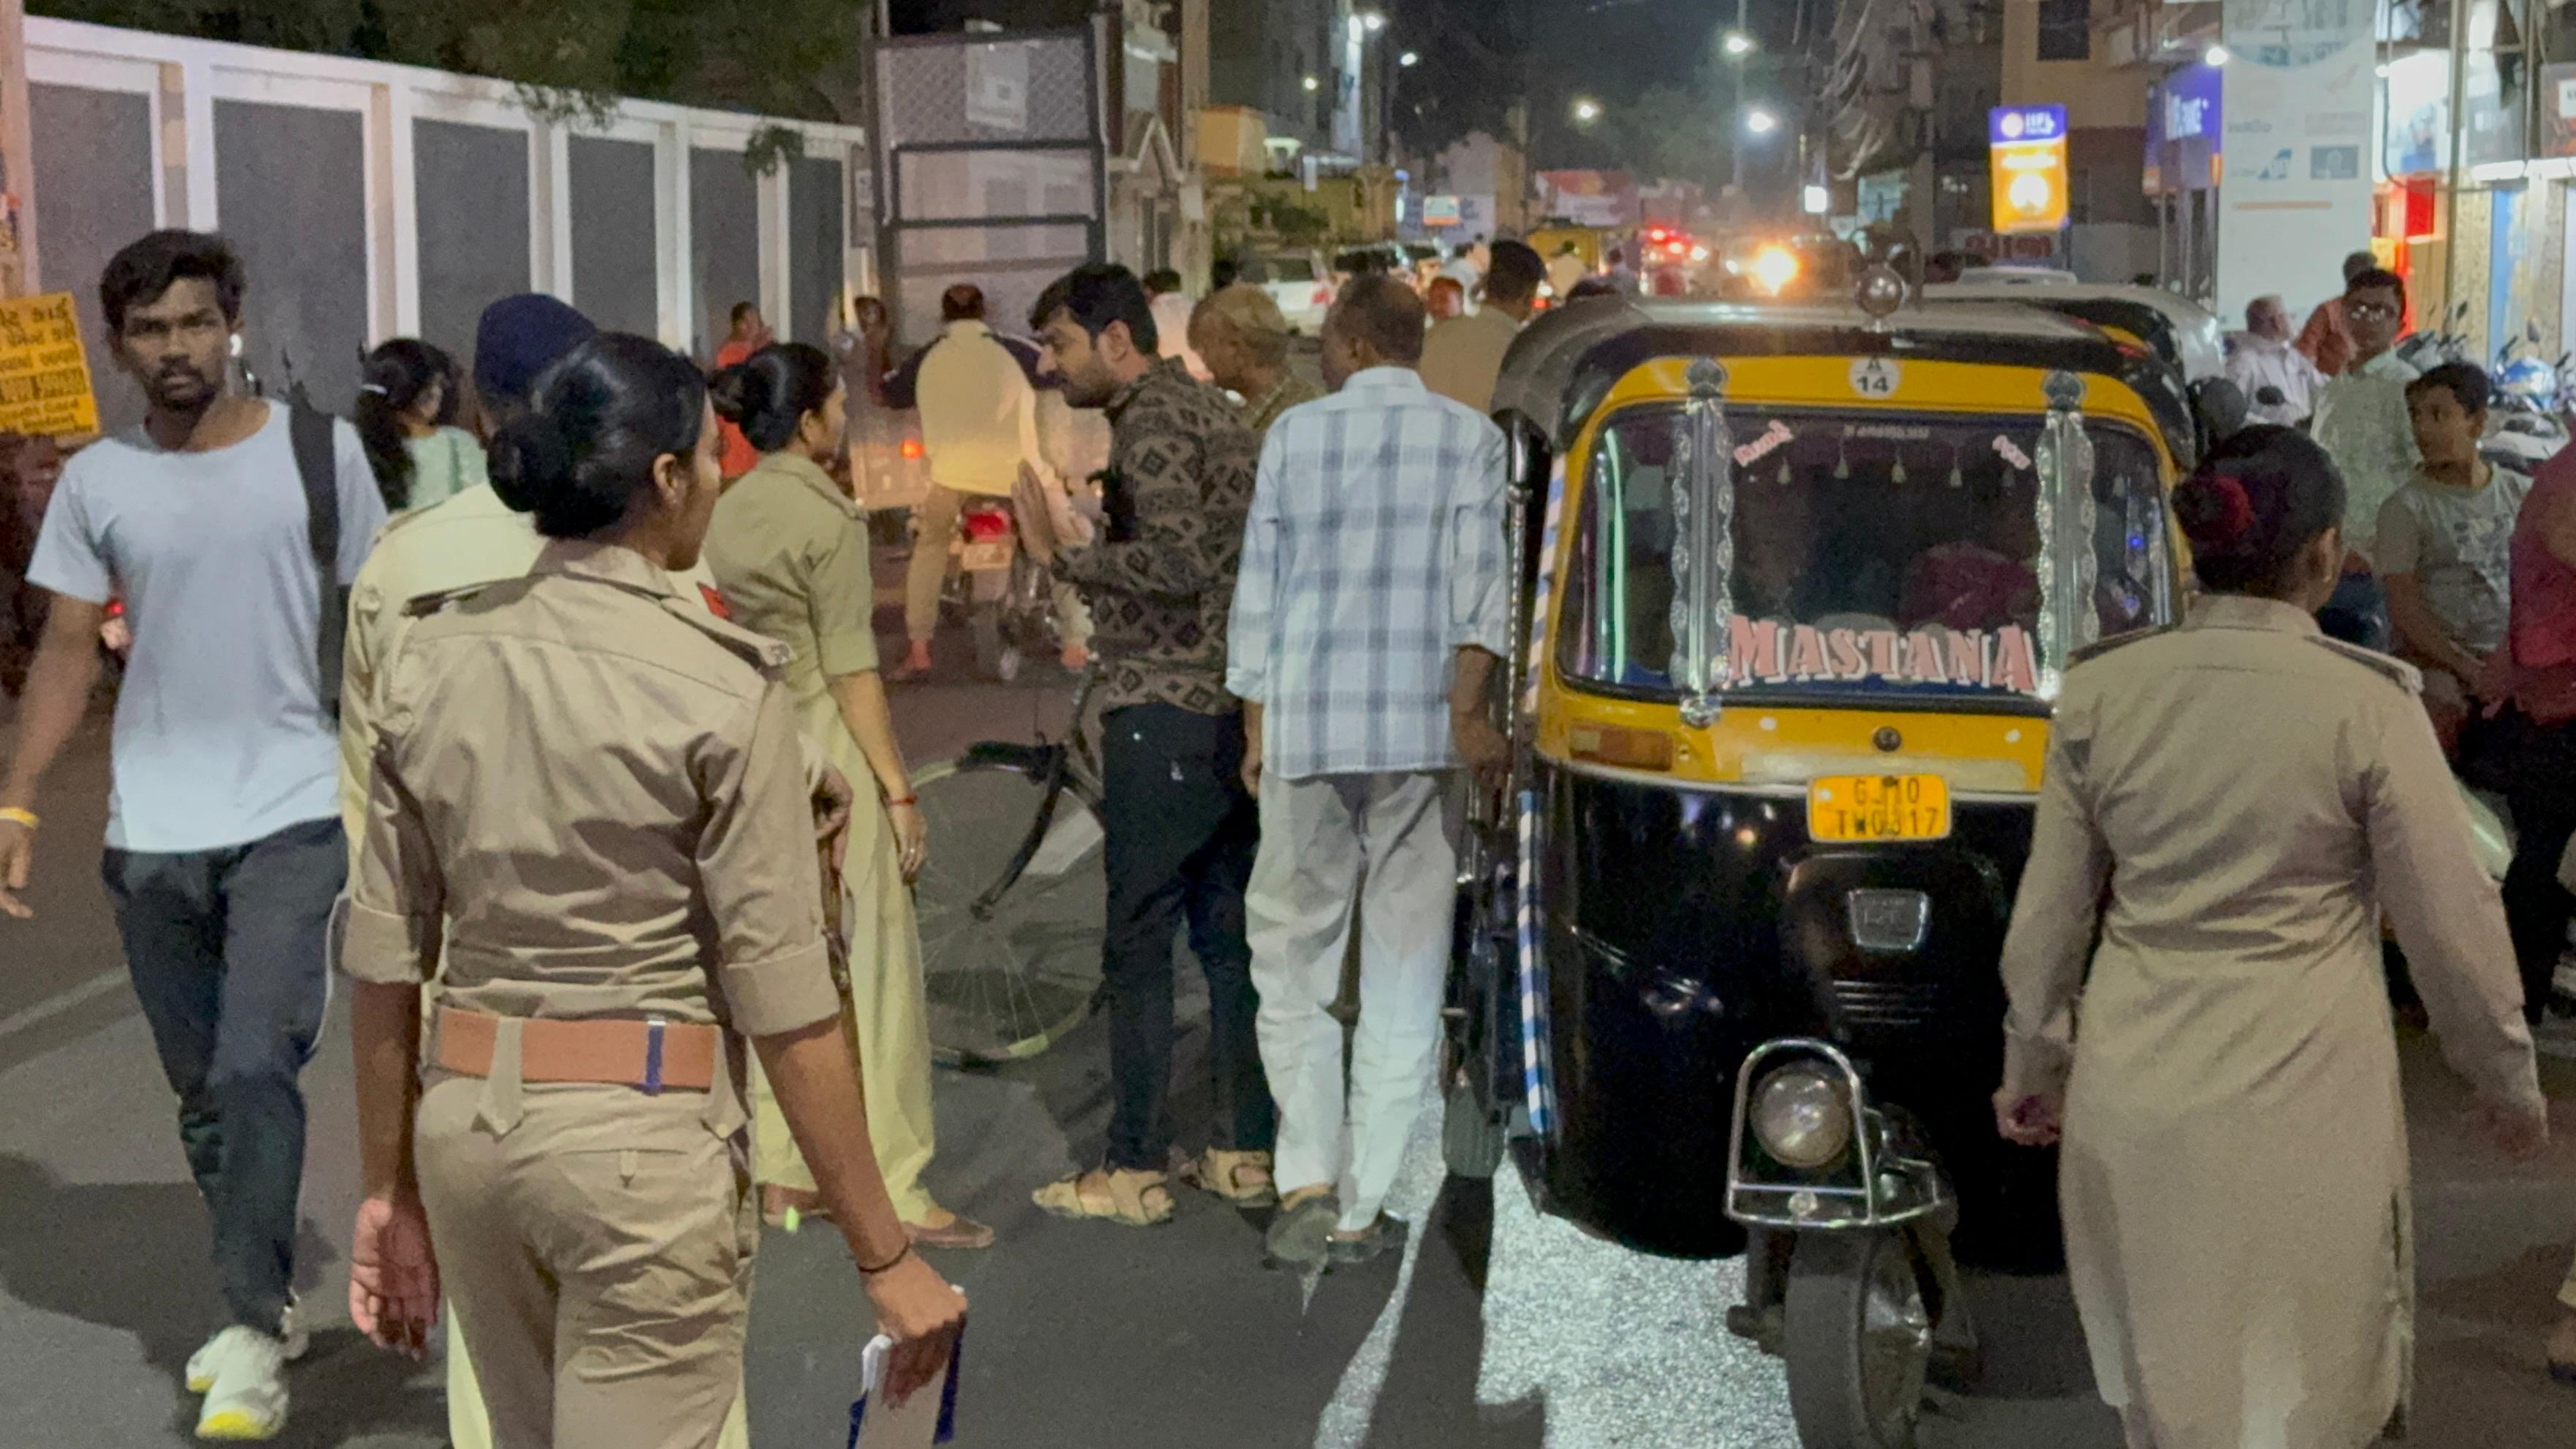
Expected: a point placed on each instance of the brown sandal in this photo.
(959, 1232)
(1241, 1178)
(1135, 1199)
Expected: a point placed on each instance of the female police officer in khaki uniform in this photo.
(791, 554)
(589, 793)
(2229, 808)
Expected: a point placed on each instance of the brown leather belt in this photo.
(651, 1055)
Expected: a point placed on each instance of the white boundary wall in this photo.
(181, 79)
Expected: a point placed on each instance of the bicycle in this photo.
(1011, 919)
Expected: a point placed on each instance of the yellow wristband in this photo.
(21, 817)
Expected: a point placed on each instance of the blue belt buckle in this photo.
(652, 1083)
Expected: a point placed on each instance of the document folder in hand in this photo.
(929, 1417)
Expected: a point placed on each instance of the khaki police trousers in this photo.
(469, 1424)
(596, 1245)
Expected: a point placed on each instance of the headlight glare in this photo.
(1801, 1117)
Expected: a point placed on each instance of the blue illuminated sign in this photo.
(2014, 125)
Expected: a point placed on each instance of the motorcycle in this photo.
(1002, 590)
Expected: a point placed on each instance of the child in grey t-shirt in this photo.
(2445, 544)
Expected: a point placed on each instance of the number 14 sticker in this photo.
(1875, 376)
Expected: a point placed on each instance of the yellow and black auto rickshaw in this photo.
(1798, 584)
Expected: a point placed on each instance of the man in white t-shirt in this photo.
(224, 851)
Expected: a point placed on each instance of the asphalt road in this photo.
(1498, 1329)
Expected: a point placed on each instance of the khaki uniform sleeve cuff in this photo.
(381, 948)
(852, 652)
(781, 993)
(2034, 1068)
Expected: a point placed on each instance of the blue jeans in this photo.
(2358, 613)
(228, 950)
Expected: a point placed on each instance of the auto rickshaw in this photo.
(1797, 584)
(2181, 331)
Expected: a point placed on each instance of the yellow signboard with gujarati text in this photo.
(44, 376)
(2027, 145)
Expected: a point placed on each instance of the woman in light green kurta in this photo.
(790, 552)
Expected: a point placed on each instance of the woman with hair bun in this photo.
(588, 813)
(790, 551)
(2197, 1008)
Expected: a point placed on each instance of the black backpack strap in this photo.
(316, 461)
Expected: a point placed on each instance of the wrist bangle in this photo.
(903, 800)
(16, 816)
(867, 1272)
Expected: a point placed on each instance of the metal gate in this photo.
(991, 167)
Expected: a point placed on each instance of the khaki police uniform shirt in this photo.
(2229, 810)
(1462, 359)
(792, 553)
(592, 787)
(472, 538)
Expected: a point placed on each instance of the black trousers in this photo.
(1181, 835)
(229, 953)
(2536, 765)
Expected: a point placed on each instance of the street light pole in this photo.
(1737, 56)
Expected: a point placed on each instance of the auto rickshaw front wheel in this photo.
(1858, 1339)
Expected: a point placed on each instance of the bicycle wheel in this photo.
(1006, 984)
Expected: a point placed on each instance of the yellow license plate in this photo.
(979, 557)
(1878, 807)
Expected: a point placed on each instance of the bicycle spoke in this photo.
(1008, 985)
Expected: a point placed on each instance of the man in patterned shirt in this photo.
(1159, 579)
(1370, 613)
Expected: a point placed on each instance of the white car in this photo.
(1298, 281)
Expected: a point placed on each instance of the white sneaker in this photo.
(290, 1330)
(248, 1397)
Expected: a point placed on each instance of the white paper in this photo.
(912, 1425)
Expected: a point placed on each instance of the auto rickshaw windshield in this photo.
(1865, 550)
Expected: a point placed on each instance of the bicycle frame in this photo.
(1057, 763)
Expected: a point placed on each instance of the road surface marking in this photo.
(55, 1005)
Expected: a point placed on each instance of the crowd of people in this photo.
(544, 702)
(566, 712)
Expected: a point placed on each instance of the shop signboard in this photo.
(2300, 85)
(1439, 212)
(2027, 148)
(45, 388)
(2183, 129)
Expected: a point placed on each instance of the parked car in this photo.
(1297, 280)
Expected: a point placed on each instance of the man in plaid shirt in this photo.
(1368, 616)
(1180, 828)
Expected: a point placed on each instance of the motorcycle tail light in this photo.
(985, 525)
(911, 450)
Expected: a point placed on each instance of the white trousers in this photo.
(1319, 837)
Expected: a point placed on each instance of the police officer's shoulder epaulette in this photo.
(2396, 671)
(399, 522)
(2096, 650)
(757, 650)
(421, 606)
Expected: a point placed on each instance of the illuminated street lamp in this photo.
(1312, 85)
(1738, 45)
(1761, 122)
(1586, 111)
(1372, 22)
(1409, 59)
(2216, 55)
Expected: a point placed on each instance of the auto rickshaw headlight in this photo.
(1801, 1117)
